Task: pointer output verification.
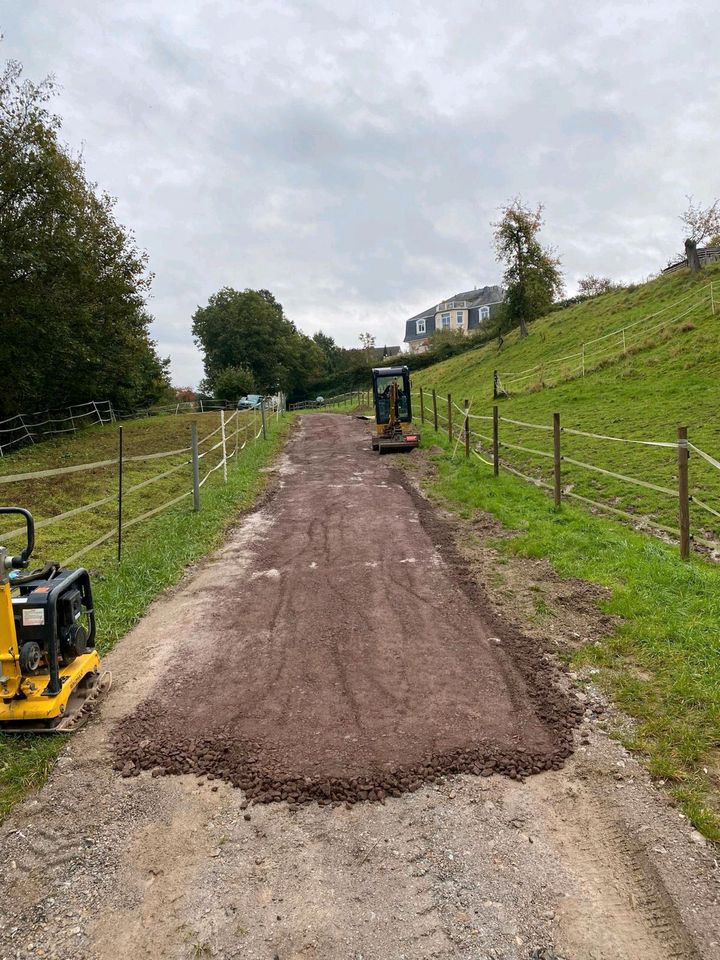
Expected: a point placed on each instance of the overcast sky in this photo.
(350, 157)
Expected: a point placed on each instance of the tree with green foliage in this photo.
(532, 277)
(73, 284)
(331, 352)
(232, 383)
(248, 329)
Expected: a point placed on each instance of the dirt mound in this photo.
(347, 654)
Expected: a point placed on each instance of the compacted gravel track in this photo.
(350, 659)
(339, 649)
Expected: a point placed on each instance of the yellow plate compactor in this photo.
(50, 673)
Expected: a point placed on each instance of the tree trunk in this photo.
(691, 253)
(523, 327)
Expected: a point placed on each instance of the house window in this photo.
(459, 318)
(420, 326)
(484, 313)
(445, 320)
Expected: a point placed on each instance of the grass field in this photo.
(661, 663)
(668, 379)
(156, 551)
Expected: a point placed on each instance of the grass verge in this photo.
(156, 554)
(660, 665)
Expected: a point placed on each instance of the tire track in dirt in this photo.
(345, 667)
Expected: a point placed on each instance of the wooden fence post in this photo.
(450, 433)
(496, 441)
(466, 428)
(435, 417)
(422, 406)
(495, 384)
(557, 459)
(262, 414)
(196, 468)
(684, 493)
(120, 492)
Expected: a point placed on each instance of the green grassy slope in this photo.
(666, 378)
(661, 662)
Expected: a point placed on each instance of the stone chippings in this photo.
(142, 745)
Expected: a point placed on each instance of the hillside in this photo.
(666, 377)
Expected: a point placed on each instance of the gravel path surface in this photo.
(351, 663)
(587, 862)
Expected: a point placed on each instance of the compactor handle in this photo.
(21, 561)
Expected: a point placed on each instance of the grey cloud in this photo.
(351, 159)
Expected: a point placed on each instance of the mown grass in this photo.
(661, 663)
(156, 551)
(666, 381)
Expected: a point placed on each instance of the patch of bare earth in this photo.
(587, 862)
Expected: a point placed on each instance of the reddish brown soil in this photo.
(350, 656)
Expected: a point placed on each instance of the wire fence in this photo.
(195, 464)
(358, 398)
(201, 405)
(609, 347)
(550, 456)
(26, 428)
(35, 427)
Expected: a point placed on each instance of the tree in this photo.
(241, 329)
(248, 329)
(185, 394)
(330, 350)
(532, 277)
(592, 286)
(701, 223)
(232, 383)
(73, 283)
(702, 226)
(367, 341)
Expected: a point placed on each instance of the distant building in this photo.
(464, 311)
(388, 351)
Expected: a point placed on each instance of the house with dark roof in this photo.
(466, 312)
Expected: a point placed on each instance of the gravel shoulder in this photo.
(587, 862)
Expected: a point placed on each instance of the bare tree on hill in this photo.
(702, 227)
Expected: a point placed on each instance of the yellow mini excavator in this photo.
(393, 410)
(50, 672)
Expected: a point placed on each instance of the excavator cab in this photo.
(393, 410)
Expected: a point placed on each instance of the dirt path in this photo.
(348, 661)
(399, 675)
